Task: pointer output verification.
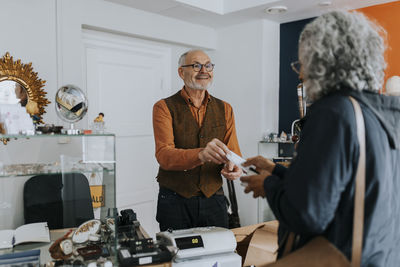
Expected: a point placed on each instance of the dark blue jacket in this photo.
(315, 195)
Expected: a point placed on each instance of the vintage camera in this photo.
(127, 225)
(128, 217)
(129, 234)
(134, 247)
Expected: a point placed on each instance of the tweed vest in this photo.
(187, 134)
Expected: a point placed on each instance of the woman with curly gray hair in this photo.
(342, 50)
(341, 55)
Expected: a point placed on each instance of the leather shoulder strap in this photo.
(358, 220)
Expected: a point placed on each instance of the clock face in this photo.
(66, 246)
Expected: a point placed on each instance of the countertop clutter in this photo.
(121, 241)
(118, 240)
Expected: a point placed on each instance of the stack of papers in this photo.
(25, 258)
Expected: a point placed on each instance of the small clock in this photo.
(66, 246)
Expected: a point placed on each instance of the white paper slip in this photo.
(235, 158)
(238, 161)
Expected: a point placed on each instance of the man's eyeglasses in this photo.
(296, 66)
(197, 66)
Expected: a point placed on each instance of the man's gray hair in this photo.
(340, 50)
(182, 58)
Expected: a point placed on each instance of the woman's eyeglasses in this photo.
(296, 66)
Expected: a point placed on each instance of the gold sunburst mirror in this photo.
(19, 84)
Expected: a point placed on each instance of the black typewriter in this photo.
(134, 247)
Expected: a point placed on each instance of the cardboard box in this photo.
(257, 244)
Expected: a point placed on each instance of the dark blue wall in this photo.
(288, 79)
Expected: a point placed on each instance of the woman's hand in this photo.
(255, 183)
(260, 163)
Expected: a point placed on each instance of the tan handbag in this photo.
(319, 251)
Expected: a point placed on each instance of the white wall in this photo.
(73, 15)
(246, 75)
(116, 18)
(270, 77)
(48, 33)
(29, 33)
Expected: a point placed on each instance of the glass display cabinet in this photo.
(57, 185)
(65, 180)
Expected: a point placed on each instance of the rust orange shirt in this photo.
(171, 158)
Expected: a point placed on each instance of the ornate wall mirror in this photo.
(19, 85)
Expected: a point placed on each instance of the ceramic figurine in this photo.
(99, 118)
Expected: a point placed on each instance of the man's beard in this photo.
(198, 86)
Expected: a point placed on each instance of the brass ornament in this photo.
(24, 75)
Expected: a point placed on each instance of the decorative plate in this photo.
(82, 233)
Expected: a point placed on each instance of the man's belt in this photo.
(196, 194)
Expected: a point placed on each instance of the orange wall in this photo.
(388, 16)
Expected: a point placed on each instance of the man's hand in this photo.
(215, 151)
(231, 171)
(261, 163)
(255, 183)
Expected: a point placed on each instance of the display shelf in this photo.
(57, 153)
(24, 136)
(52, 168)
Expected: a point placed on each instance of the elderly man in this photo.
(193, 132)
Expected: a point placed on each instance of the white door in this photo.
(124, 78)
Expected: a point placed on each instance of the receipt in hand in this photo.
(238, 161)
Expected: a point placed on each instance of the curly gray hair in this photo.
(342, 50)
